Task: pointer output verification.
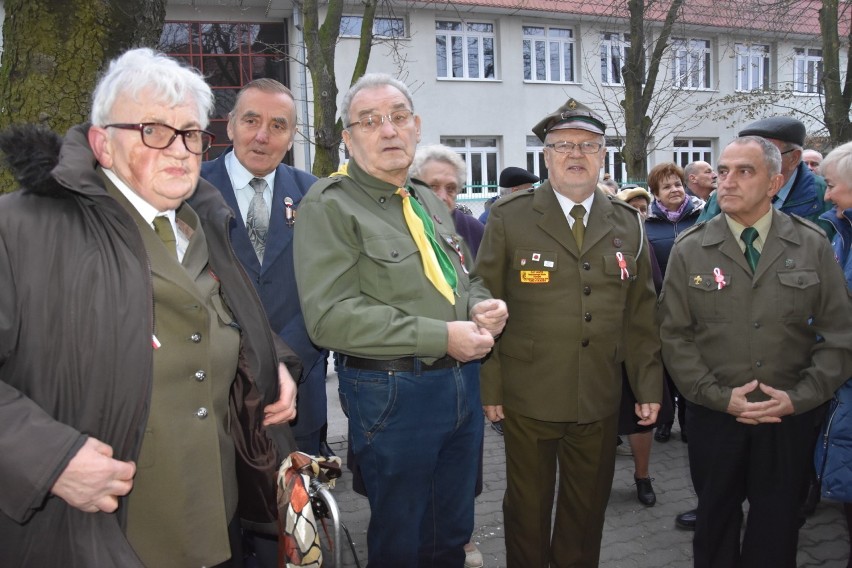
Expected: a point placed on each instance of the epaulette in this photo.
(689, 230)
(323, 184)
(809, 224)
(512, 196)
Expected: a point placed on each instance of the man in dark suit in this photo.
(261, 128)
(573, 266)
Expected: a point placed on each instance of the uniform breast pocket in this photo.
(708, 302)
(385, 258)
(620, 266)
(797, 294)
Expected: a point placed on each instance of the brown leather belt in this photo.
(403, 364)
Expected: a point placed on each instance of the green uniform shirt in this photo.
(360, 275)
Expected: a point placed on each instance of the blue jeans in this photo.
(416, 436)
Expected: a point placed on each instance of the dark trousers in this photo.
(235, 539)
(586, 457)
(766, 464)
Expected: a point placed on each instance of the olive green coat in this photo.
(573, 316)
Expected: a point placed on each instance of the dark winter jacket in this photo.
(662, 232)
(76, 317)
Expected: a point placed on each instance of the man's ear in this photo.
(101, 145)
(776, 182)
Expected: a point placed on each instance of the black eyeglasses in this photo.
(160, 136)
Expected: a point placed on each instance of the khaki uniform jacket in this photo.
(360, 274)
(763, 326)
(574, 316)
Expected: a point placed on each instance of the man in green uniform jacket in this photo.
(398, 313)
(755, 330)
(581, 304)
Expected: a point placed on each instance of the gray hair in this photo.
(771, 153)
(264, 85)
(840, 159)
(371, 81)
(438, 153)
(690, 168)
(142, 69)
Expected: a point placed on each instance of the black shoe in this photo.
(498, 427)
(663, 433)
(687, 520)
(645, 491)
(325, 450)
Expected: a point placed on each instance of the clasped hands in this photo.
(767, 411)
(471, 340)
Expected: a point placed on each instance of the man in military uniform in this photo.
(755, 330)
(381, 277)
(573, 266)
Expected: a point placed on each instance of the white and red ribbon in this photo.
(719, 278)
(622, 264)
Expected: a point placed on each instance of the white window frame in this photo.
(686, 150)
(535, 157)
(807, 70)
(350, 26)
(548, 55)
(614, 47)
(613, 165)
(464, 40)
(481, 161)
(753, 67)
(691, 63)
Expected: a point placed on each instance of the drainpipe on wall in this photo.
(303, 87)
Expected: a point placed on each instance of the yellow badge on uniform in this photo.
(535, 276)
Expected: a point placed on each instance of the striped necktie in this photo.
(436, 264)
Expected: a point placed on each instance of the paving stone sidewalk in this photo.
(634, 536)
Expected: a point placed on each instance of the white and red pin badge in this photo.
(289, 212)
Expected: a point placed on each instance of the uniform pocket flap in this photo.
(800, 279)
(706, 281)
(389, 249)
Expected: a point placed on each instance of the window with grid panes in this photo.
(229, 55)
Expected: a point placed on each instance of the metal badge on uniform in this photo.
(523, 262)
(698, 280)
(617, 243)
(455, 243)
(535, 276)
(436, 218)
(289, 212)
(548, 264)
(789, 263)
(536, 257)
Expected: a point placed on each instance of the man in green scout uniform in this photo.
(572, 265)
(382, 281)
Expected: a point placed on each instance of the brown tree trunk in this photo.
(838, 92)
(54, 50)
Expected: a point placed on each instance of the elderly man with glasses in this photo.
(138, 372)
(382, 280)
(573, 266)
